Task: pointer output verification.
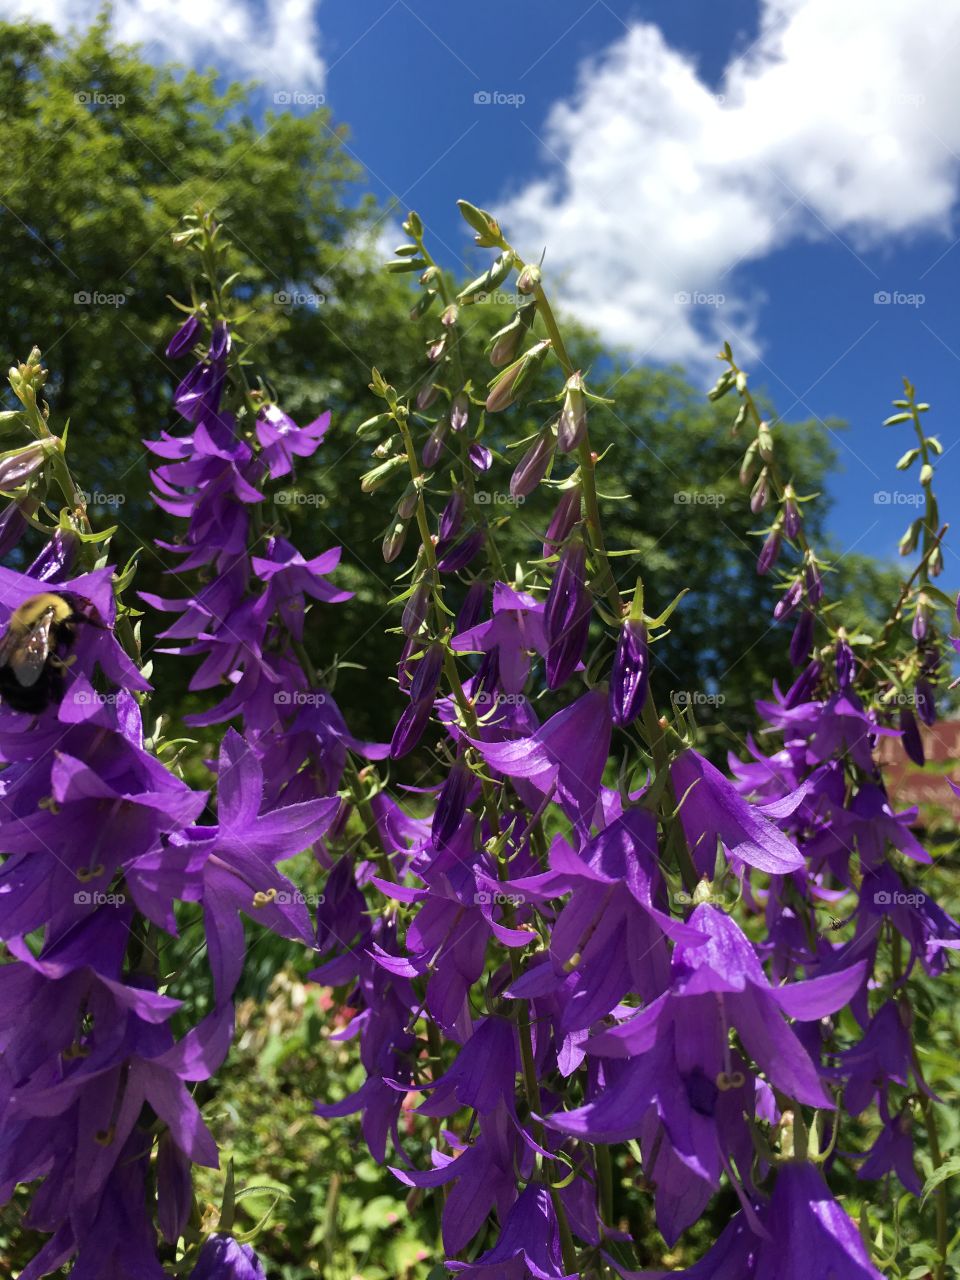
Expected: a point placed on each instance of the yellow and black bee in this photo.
(33, 649)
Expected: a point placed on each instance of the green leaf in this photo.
(940, 1175)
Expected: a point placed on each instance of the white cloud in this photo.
(841, 118)
(276, 42)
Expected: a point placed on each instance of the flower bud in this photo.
(184, 338)
(533, 466)
(407, 506)
(921, 619)
(20, 464)
(814, 583)
(393, 540)
(802, 639)
(451, 518)
(925, 701)
(804, 685)
(372, 480)
(760, 493)
(459, 412)
(481, 459)
(769, 552)
(451, 804)
(565, 516)
(426, 675)
(566, 614)
(787, 604)
(505, 344)
(910, 737)
(456, 555)
(410, 728)
(415, 608)
(630, 676)
(573, 415)
(494, 276)
(505, 388)
(791, 515)
(433, 448)
(528, 279)
(471, 611)
(846, 664)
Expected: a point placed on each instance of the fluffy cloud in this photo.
(275, 42)
(840, 119)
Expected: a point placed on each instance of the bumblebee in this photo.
(33, 651)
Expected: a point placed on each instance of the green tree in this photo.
(100, 155)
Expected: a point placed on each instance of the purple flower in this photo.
(807, 1236)
(184, 338)
(566, 614)
(631, 673)
(712, 810)
(223, 1258)
(282, 440)
(529, 1243)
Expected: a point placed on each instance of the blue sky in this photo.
(786, 162)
